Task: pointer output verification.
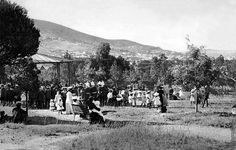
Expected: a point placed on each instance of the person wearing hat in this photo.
(19, 115)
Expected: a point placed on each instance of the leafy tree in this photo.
(18, 36)
(219, 61)
(25, 74)
(116, 75)
(160, 70)
(103, 51)
(131, 76)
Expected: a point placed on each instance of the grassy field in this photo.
(125, 128)
(140, 137)
(218, 114)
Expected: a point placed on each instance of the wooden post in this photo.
(196, 102)
(69, 72)
(58, 71)
(26, 103)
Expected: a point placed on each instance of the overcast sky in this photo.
(163, 23)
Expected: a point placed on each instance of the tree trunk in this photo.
(196, 105)
(27, 99)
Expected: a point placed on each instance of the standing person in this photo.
(181, 94)
(134, 99)
(17, 93)
(162, 99)
(3, 95)
(206, 96)
(193, 95)
(148, 99)
(99, 93)
(171, 91)
(9, 95)
(87, 92)
(47, 97)
(143, 99)
(93, 90)
(114, 94)
(59, 102)
(40, 98)
(109, 97)
(63, 96)
(69, 101)
(156, 99)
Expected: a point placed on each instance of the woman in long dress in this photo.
(156, 99)
(193, 95)
(59, 102)
(69, 101)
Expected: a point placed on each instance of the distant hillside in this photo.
(229, 54)
(57, 39)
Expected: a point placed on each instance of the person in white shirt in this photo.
(181, 94)
(59, 102)
(109, 97)
(156, 99)
(69, 101)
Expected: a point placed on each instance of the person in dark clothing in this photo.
(17, 93)
(9, 95)
(19, 115)
(114, 94)
(171, 91)
(206, 96)
(40, 99)
(3, 95)
(95, 115)
(47, 97)
(63, 97)
(93, 90)
(161, 95)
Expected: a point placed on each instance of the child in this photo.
(59, 104)
(52, 105)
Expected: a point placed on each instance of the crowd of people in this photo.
(84, 92)
(55, 97)
(85, 98)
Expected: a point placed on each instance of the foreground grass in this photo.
(140, 137)
(214, 119)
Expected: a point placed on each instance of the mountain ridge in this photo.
(56, 39)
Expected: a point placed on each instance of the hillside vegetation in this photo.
(56, 39)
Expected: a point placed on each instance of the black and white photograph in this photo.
(117, 74)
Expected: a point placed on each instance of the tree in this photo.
(18, 36)
(25, 74)
(219, 61)
(160, 70)
(116, 75)
(103, 51)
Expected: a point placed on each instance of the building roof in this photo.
(42, 58)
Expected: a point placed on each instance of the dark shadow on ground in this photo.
(40, 120)
(108, 111)
(119, 124)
